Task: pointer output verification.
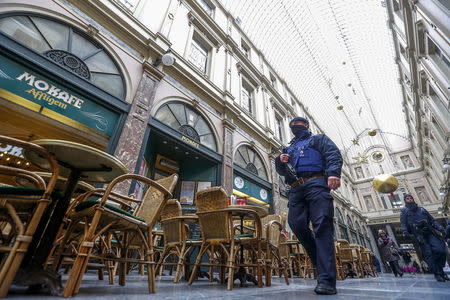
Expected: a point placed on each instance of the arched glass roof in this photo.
(331, 53)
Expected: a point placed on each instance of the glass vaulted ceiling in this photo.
(331, 53)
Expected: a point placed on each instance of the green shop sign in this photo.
(254, 192)
(36, 92)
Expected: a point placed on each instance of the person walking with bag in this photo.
(389, 252)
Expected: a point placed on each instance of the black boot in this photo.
(439, 277)
(323, 289)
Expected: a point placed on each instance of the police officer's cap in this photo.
(301, 119)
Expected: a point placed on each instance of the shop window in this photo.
(67, 47)
(247, 93)
(187, 121)
(247, 158)
(199, 55)
(207, 6)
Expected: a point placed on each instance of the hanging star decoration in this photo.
(361, 159)
(355, 142)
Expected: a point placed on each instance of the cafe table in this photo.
(81, 187)
(76, 162)
(242, 274)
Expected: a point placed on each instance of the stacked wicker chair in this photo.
(346, 259)
(101, 219)
(366, 262)
(176, 240)
(272, 229)
(21, 210)
(216, 223)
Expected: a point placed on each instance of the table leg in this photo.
(33, 264)
(242, 274)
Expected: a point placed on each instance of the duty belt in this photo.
(303, 180)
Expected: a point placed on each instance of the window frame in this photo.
(201, 44)
(250, 89)
(71, 31)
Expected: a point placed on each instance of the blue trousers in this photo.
(433, 252)
(312, 202)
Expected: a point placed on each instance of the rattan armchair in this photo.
(272, 229)
(346, 259)
(216, 223)
(122, 225)
(176, 239)
(21, 210)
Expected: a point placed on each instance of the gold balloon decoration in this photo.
(385, 183)
(340, 107)
(372, 132)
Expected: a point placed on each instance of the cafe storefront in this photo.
(58, 83)
(250, 179)
(182, 141)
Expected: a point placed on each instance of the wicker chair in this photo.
(366, 262)
(271, 234)
(346, 259)
(357, 258)
(68, 241)
(216, 223)
(122, 225)
(21, 210)
(176, 240)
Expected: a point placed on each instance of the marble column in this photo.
(132, 138)
(227, 163)
(373, 243)
(276, 200)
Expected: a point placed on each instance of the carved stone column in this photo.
(276, 200)
(132, 137)
(227, 165)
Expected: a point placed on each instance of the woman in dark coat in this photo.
(389, 252)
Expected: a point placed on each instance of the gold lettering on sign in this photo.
(39, 95)
(189, 141)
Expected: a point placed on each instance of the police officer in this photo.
(418, 222)
(311, 165)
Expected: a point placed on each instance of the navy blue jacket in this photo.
(408, 217)
(330, 153)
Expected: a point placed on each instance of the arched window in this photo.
(341, 223)
(67, 47)
(247, 158)
(188, 121)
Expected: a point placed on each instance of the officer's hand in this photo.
(284, 158)
(334, 182)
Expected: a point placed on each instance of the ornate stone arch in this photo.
(80, 51)
(180, 115)
(248, 157)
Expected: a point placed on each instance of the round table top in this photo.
(261, 211)
(95, 165)
(81, 187)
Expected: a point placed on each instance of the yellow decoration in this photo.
(372, 132)
(340, 107)
(385, 183)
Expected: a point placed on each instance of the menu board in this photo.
(187, 192)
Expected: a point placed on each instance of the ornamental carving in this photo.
(70, 62)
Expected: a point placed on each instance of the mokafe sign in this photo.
(33, 90)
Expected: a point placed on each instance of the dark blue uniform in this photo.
(312, 202)
(418, 222)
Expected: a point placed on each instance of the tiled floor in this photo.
(386, 286)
